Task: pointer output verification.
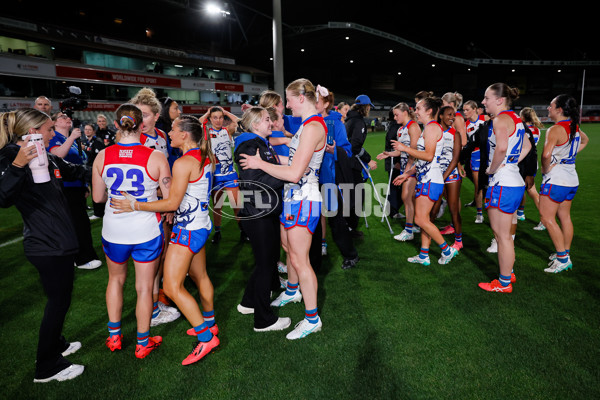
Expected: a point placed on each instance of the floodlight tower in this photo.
(216, 10)
(277, 49)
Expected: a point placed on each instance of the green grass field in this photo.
(391, 329)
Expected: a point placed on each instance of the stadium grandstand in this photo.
(183, 53)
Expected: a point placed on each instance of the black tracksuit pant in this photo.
(56, 274)
(78, 207)
(264, 238)
(341, 234)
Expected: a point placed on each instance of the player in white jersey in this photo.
(129, 167)
(302, 201)
(452, 179)
(190, 197)
(146, 100)
(473, 121)
(155, 139)
(455, 100)
(430, 182)
(506, 148)
(560, 181)
(225, 177)
(408, 135)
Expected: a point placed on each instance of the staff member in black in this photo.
(260, 220)
(92, 145)
(49, 241)
(356, 128)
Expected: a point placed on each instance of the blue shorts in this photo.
(558, 194)
(303, 213)
(475, 159)
(193, 240)
(432, 190)
(453, 177)
(142, 252)
(225, 181)
(505, 198)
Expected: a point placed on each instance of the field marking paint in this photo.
(11, 242)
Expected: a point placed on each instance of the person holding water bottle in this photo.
(31, 180)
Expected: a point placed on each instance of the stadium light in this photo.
(214, 9)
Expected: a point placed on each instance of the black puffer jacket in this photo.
(356, 128)
(255, 183)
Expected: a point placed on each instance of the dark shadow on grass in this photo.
(228, 273)
(373, 377)
(476, 251)
(534, 242)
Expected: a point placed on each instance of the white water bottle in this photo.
(39, 164)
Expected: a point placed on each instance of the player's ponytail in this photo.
(511, 94)
(570, 110)
(197, 132)
(15, 124)
(434, 104)
(129, 119)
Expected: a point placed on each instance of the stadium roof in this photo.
(385, 43)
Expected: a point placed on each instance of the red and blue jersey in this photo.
(158, 141)
(125, 169)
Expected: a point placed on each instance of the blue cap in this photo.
(364, 99)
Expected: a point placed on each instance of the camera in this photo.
(73, 103)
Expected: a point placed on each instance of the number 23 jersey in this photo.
(126, 170)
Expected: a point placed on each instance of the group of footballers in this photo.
(142, 191)
(500, 149)
(158, 213)
(427, 149)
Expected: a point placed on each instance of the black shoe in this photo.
(471, 204)
(356, 233)
(216, 237)
(347, 264)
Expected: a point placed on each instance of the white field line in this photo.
(11, 242)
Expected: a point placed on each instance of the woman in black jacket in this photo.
(259, 217)
(50, 242)
(356, 128)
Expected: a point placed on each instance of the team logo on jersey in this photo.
(57, 174)
(125, 153)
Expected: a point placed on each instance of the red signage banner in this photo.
(229, 87)
(63, 71)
